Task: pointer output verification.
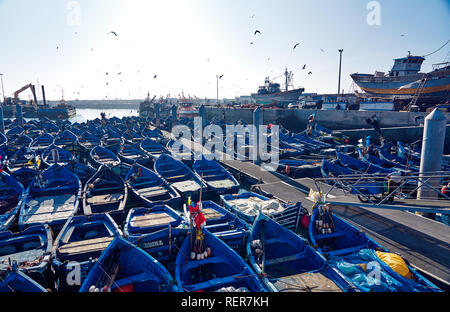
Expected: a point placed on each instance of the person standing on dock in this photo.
(373, 121)
(311, 124)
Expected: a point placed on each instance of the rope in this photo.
(437, 49)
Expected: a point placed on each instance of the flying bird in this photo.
(154, 77)
(402, 35)
(113, 32)
(220, 77)
(119, 73)
(57, 48)
(296, 45)
(256, 32)
(322, 50)
(252, 16)
(251, 42)
(304, 66)
(309, 73)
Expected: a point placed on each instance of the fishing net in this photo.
(368, 273)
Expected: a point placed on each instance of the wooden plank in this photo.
(96, 199)
(151, 219)
(84, 246)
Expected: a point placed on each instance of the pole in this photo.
(340, 62)
(217, 88)
(2, 123)
(3, 91)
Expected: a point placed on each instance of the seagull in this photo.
(251, 42)
(113, 32)
(296, 45)
(322, 50)
(257, 31)
(119, 73)
(309, 73)
(57, 48)
(304, 66)
(402, 35)
(220, 77)
(154, 77)
(252, 16)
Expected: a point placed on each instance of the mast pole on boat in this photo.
(340, 63)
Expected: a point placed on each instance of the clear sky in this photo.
(186, 43)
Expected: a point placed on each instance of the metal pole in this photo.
(2, 124)
(3, 91)
(340, 62)
(217, 88)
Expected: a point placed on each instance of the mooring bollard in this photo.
(431, 155)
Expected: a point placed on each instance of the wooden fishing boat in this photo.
(29, 251)
(55, 154)
(84, 172)
(178, 175)
(286, 262)
(148, 186)
(65, 138)
(223, 224)
(222, 270)
(25, 175)
(158, 230)
(51, 198)
(152, 148)
(217, 178)
(131, 153)
(369, 158)
(180, 152)
(17, 282)
(81, 240)
(247, 205)
(123, 267)
(105, 191)
(22, 158)
(41, 143)
(88, 140)
(14, 132)
(341, 243)
(11, 195)
(103, 156)
(361, 166)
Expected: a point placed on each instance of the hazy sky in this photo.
(186, 43)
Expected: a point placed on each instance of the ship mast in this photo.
(286, 74)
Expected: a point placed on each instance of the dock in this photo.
(423, 242)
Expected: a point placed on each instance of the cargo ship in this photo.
(271, 92)
(405, 80)
(61, 111)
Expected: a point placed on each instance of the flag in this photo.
(199, 219)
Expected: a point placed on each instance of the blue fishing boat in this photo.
(3, 139)
(178, 175)
(80, 242)
(65, 138)
(247, 206)
(29, 251)
(153, 148)
(343, 244)
(84, 172)
(11, 195)
(55, 154)
(217, 178)
(369, 158)
(22, 158)
(148, 186)
(20, 140)
(396, 159)
(123, 267)
(222, 270)
(41, 143)
(14, 132)
(158, 230)
(88, 140)
(286, 262)
(131, 153)
(223, 224)
(51, 198)
(102, 156)
(361, 166)
(17, 282)
(105, 191)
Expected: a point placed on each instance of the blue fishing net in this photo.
(367, 272)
